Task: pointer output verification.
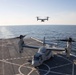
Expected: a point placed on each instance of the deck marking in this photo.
(65, 58)
(48, 70)
(31, 71)
(37, 40)
(16, 64)
(59, 73)
(18, 58)
(61, 65)
(4, 61)
(2, 58)
(19, 69)
(70, 62)
(9, 62)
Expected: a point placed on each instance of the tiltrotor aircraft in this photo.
(42, 20)
(44, 52)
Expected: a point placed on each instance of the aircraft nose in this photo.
(35, 63)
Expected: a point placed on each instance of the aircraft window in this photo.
(42, 50)
(36, 58)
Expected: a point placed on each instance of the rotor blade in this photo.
(56, 49)
(62, 40)
(21, 36)
(68, 39)
(13, 38)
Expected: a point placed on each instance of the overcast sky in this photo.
(24, 12)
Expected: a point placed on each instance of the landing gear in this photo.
(21, 51)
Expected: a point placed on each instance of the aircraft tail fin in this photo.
(44, 41)
(47, 18)
(37, 18)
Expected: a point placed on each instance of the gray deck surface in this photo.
(14, 63)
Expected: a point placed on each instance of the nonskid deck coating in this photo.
(14, 63)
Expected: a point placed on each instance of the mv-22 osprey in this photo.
(44, 53)
(42, 20)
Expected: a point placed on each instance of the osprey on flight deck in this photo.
(44, 52)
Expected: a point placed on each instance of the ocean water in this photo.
(50, 32)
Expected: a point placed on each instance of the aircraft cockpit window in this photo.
(37, 57)
(42, 50)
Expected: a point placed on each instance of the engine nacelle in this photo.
(21, 43)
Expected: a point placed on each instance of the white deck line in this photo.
(37, 40)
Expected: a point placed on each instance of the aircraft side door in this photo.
(40, 59)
